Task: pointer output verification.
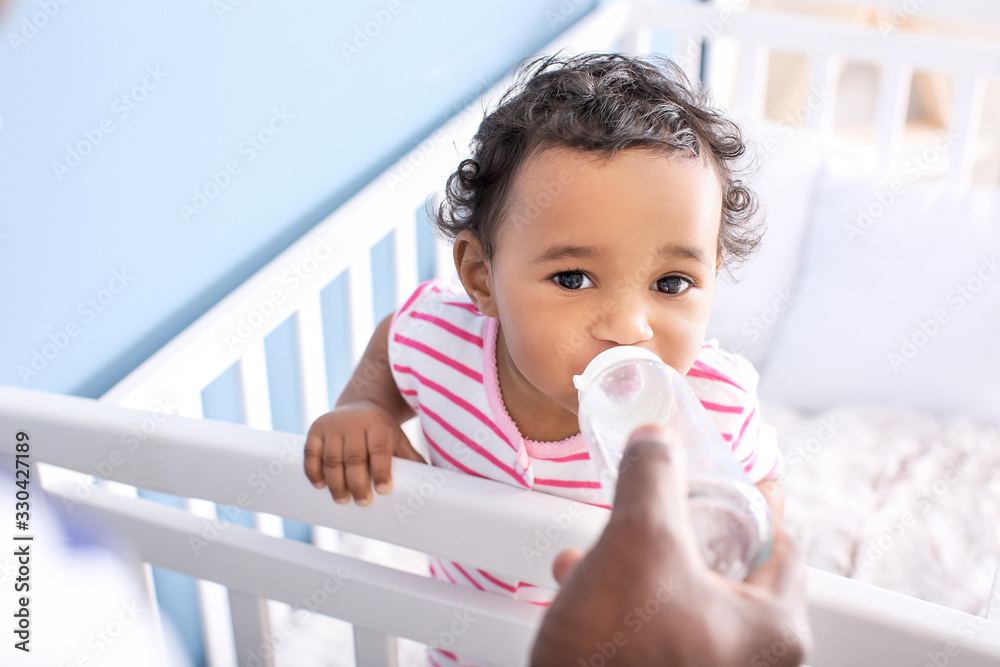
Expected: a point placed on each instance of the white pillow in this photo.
(746, 314)
(898, 300)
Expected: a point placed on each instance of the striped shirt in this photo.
(442, 352)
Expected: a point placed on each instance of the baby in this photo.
(600, 202)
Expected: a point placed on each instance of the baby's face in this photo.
(592, 255)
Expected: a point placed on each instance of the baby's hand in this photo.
(345, 442)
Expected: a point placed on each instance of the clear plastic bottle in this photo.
(626, 387)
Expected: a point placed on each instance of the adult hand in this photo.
(643, 595)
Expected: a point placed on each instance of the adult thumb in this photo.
(653, 486)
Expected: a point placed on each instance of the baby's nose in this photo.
(627, 323)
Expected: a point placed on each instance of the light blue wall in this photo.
(66, 233)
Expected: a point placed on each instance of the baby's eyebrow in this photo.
(669, 251)
(564, 251)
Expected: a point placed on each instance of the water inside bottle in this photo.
(728, 524)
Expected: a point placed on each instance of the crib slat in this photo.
(359, 295)
(312, 359)
(970, 94)
(752, 81)
(253, 385)
(251, 628)
(890, 109)
(823, 88)
(374, 649)
(405, 249)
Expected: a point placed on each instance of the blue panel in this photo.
(177, 597)
(336, 335)
(283, 381)
(384, 277)
(214, 136)
(221, 399)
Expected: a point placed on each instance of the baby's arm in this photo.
(362, 431)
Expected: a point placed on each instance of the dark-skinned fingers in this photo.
(356, 466)
(333, 469)
(380, 448)
(313, 459)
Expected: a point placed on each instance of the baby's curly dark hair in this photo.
(606, 103)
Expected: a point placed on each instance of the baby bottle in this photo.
(626, 387)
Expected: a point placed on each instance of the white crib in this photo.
(483, 523)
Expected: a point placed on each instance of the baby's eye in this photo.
(674, 284)
(572, 280)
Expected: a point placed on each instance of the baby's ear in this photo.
(474, 271)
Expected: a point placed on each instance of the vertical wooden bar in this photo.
(752, 83)
(966, 116)
(359, 296)
(405, 248)
(251, 630)
(821, 98)
(374, 649)
(890, 111)
(312, 359)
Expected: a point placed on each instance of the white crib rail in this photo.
(483, 523)
(233, 332)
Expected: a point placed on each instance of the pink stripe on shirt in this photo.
(409, 302)
(568, 484)
(717, 407)
(449, 327)
(474, 446)
(451, 460)
(443, 358)
(496, 581)
(460, 402)
(707, 372)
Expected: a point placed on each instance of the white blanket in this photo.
(902, 500)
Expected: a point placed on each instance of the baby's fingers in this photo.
(313, 460)
(380, 447)
(356, 466)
